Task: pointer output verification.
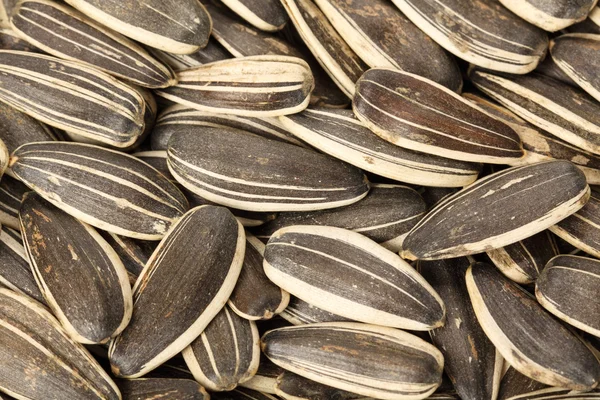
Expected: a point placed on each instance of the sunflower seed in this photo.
(130, 198)
(385, 216)
(175, 368)
(133, 253)
(551, 15)
(65, 33)
(528, 337)
(178, 62)
(434, 195)
(9, 40)
(180, 117)
(340, 134)
(266, 15)
(329, 48)
(481, 32)
(564, 111)
(370, 360)
(418, 114)
(549, 68)
(84, 100)
(295, 387)
(347, 274)
(81, 277)
(567, 288)
(226, 353)
(255, 296)
(15, 272)
(383, 37)
(259, 86)
(299, 312)
(182, 27)
(471, 360)
(540, 146)
(17, 128)
(585, 26)
(523, 261)
(40, 361)
(243, 394)
(581, 229)
(514, 384)
(248, 172)
(161, 389)
(483, 217)
(185, 283)
(265, 378)
(11, 193)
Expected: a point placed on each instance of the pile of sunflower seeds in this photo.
(299, 199)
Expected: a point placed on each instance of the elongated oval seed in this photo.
(383, 37)
(552, 15)
(81, 277)
(523, 261)
(130, 198)
(340, 134)
(484, 217)
(40, 361)
(481, 32)
(348, 274)
(181, 27)
(68, 34)
(248, 172)
(564, 111)
(15, 272)
(226, 353)
(370, 360)
(258, 86)
(567, 288)
(385, 216)
(299, 312)
(295, 387)
(83, 100)
(266, 15)
(161, 389)
(470, 359)
(418, 114)
(255, 296)
(186, 282)
(529, 338)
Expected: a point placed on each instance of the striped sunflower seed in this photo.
(265, 378)
(248, 172)
(471, 360)
(259, 86)
(418, 114)
(179, 117)
(340, 134)
(15, 272)
(9, 40)
(385, 216)
(185, 283)
(243, 394)
(226, 353)
(483, 217)
(299, 312)
(576, 55)
(328, 47)
(383, 37)
(528, 337)
(17, 128)
(347, 274)
(560, 109)
(549, 68)
(63, 32)
(84, 100)
(552, 15)
(11, 194)
(538, 145)
(157, 159)
(523, 261)
(81, 277)
(133, 253)
(266, 15)
(178, 62)
(295, 387)
(161, 389)
(40, 361)
(481, 32)
(181, 27)
(130, 198)
(515, 386)
(567, 288)
(370, 360)
(582, 229)
(255, 296)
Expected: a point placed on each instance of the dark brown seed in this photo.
(484, 217)
(133, 253)
(567, 288)
(550, 15)
(17, 128)
(470, 359)
(528, 337)
(421, 115)
(11, 194)
(514, 384)
(81, 277)
(292, 386)
(185, 283)
(266, 15)
(299, 312)
(549, 68)
(161, 389)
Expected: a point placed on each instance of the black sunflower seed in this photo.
(299, 312)
(266, 15)
(551, 15)
(161, 389)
